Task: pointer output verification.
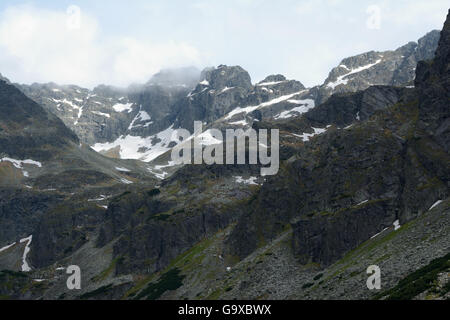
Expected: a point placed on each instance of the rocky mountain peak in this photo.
(440, 64)
(273, 78)
(393, 67)
(226, 76)
(427, 44)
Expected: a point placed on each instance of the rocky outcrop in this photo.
(20, 211)
(226, 77)
(396, 68)
(344, 109)
(27, 130)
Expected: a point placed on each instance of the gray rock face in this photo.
(343, 109)
(220, 90)
(90, 114)
(224, 76)
(395, 68)
(20, 211)
(329, 236)
(26, 129)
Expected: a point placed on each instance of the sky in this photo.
(114, 42)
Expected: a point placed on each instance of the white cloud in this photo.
(38, 45)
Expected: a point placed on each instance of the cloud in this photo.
(42, 45)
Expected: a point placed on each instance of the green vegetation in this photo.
(307, 285)
(317, 277)
(185, 261)
(96, 292)
(171, 280)
(418, 281)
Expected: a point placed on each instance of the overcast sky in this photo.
(121, 42)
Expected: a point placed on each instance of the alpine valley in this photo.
(86, 179)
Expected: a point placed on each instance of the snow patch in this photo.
(250, 180)
(7, 247)
(239, 123)
(226, 89)
(362, 202)
(306, 136)
(306, 105)
(121, 107)
(65, 101)
(341, 79)
(125, 181)
(101, 198)
(101, 114)
(140, 148)
(271, 83)
(435, 204)
(397, 224)
(19, 164)
(262, 105)
(379, 233)
(142, 116)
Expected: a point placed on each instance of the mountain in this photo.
(363, 180)
(137, 122)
